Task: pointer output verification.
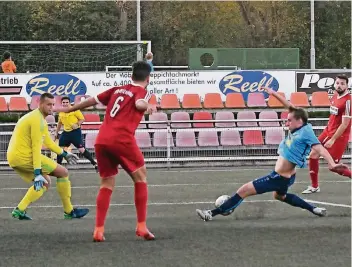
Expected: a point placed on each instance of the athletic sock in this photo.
(230, 204)
(296, 201)
(63, 187)
(88, 156)
(30, 197)
(313, 171)
(103, 203)
(140, 200)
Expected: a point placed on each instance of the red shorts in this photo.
(338, 148)
(109, 157)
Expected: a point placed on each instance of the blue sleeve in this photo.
(310, 137)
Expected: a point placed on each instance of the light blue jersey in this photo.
(150, 62)
(297, 145)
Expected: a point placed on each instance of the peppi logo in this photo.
(56, 84)
(246, 82)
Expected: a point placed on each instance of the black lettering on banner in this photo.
(310, 82)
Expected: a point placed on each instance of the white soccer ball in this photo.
(220, 200)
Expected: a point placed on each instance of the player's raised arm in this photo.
(89, 102)
(279, 97)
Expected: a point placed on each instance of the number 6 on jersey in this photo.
(116, 106)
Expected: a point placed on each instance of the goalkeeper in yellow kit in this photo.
(24, 156)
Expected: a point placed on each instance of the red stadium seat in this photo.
(202, 115)
(180, 116)
(268, 115)
(34, 102)
(246, 115)
(3, 104)
(208, 139)
(169, 101)
(213, 100)
(224, 115)
(91, 117)
(160, 139)
(252, 137)
(191, 101)
(80, 98)
(153, 100)
(18, 103)
(274, 136)
(230, 138)
(320, 99)
(159, 116)
(234, 100)
(299, 99)
(185, 139)
(143, 139)
(274, 103)
(256, 100)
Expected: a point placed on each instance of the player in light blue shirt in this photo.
(293, 152)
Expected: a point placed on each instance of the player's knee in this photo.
(313, 155)
(139, 175)
(278, 196)
(246, 190)
(60, 171)
(108, 182)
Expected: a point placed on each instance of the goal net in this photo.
(79, 56)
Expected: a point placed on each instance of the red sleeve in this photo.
(104, 97)
(142, 95)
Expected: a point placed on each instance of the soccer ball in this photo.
(220, 200)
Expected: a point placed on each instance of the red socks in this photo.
(103, 203)
(313, 171)
(140, 200)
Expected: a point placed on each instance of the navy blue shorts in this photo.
(74, 137)
(273, 182)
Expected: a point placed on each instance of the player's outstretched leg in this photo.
(88, 156)
(296, 201)
(139, 178)
(31, 196)
(103, 203)
(63, 187)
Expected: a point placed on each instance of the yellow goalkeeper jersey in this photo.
(26, 142)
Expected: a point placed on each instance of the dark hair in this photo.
(7, 55)
(342, 77)
(46, 95)
(65, 98)
(299, 113)
(140, 71)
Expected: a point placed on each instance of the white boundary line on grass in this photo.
(184, 203)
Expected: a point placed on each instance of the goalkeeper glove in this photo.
(39, 180)
(70, 158)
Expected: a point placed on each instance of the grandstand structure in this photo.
(192, 132)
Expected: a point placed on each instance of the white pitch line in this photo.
(165, 185)
(183, 203)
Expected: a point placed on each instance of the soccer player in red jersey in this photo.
(116, 145)
(336, 135)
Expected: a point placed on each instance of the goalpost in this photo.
(73, 56)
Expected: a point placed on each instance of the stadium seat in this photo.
(169, 101)
(80, 98)
(225, 115)
(274, 136)
(159, 116)
(191, 101)
(143, 139)
(18, 103)
(3, 104)
(153, 100)
(91, 117)
(320, 99)
(180, 116)
(268, 115)
(246, 115)
(34, 102)
(234, 100)
(50, 119)
(142, 125)
(256, 100)
(284, 115)
(230, 138)
(185, 139)
(90, 139)
(208, 138)
(202, 115)
(57, 100)
(253, 137)
(274, 103)
(299, 99)
(212, 100)
(160, 139)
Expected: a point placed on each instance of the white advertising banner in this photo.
(163, 82)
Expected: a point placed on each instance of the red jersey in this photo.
(340, 107)
(121, 116)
